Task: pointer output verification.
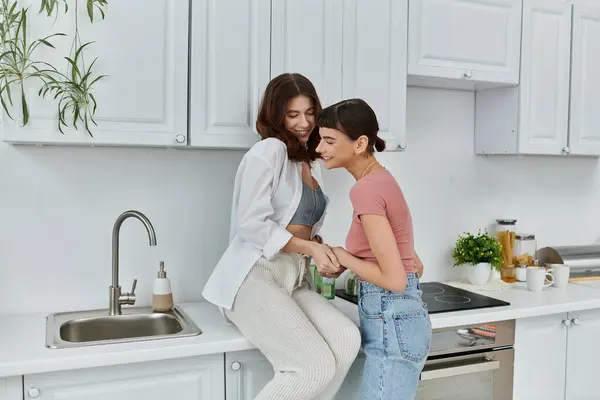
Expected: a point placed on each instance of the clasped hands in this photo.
(326, 259)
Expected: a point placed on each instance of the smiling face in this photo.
(300, 117)
(336, 149)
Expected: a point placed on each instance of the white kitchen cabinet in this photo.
(11, 388)
(314, 52)
(374, 62)
(246, 373)
(556, 355)
(552, 110)
(584, 122)
(540, 357)
(337, 54)
(193, 378)
(583, 353)
(229, 71)
(464, 43)
(141, 46)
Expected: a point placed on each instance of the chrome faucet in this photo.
(116, 299)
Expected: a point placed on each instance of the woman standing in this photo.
(261, 281)
(395, 324)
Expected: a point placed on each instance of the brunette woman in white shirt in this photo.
(262, 279)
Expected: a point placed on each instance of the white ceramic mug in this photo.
(538, 278)
(561, 274)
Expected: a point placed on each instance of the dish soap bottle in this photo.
(162, 297)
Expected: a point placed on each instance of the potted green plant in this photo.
(481, 253)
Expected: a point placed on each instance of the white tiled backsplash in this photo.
(58, 205)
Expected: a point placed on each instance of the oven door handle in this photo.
(488, 365)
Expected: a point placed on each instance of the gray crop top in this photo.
(311, 207)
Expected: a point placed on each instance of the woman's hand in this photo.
(336, 275)
(325, 259)
(340, 252)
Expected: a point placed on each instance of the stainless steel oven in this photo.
(473, 362)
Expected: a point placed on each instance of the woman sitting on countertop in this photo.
(394, 322)
(261, 281)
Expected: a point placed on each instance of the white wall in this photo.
(58, 205)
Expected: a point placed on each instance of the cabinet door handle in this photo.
(236, 365)
(180, 138)
(566, 322)
(575, 321)
(33, 392)
(487, 365)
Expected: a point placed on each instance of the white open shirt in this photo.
(266, 194)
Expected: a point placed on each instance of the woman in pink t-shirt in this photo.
(394, 322)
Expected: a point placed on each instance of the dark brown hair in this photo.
(355, 118)
(273, 108)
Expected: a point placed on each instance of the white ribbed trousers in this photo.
(309, 342)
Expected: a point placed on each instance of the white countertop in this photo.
(23, 350)
(523, 304)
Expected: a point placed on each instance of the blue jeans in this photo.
(396, 338)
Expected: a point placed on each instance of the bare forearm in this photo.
(297, 245)
(366, 270)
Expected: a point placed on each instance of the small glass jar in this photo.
(316, 277)
(525, 248)
(508, 274)
(328, 288)
(351, 284)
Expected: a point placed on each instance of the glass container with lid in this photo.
(506, 224)
(525, 248)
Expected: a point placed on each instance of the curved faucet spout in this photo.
(116, 299)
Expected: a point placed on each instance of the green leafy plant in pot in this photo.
(481, 253)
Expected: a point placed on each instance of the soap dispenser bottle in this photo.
(162, 297)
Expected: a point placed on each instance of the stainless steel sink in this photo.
(94, 327)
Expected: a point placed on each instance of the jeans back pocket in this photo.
(413, 330)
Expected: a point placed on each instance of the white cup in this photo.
(538, 278)
(561, 274)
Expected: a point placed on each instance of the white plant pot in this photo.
(495, 275)
(479, 274)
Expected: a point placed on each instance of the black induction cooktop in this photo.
(440, 297)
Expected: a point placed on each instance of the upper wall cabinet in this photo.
(338, 54)
(314, 52)
(464, 44)
(554, 109)
(229, 70)
(374, 62)
(142, 49)
(584, 118)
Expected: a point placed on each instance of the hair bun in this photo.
(379, 144)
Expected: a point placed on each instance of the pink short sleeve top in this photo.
(379, 193)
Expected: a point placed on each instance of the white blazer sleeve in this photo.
(254, 210)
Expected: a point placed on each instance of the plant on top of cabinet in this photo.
(50, 5)
(143, 99)
(72, 90)
(16, 59)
